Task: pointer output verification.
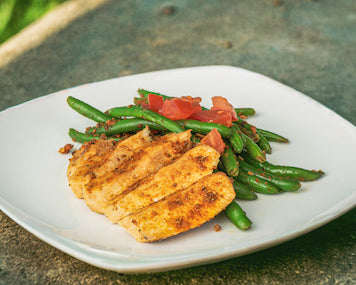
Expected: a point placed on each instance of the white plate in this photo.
(35, 192)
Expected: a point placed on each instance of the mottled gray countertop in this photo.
(308, 45)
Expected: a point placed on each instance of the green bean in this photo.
(258, 135)
(243, 192)
(82, 138)
(288, 172)
(253, 149)
(283, 184)
(270, 136)
(256, 184)
(138, 112)
(220, 167)
(230, 162)
(248, 130)
(263, 143)
(194, 139)
(139, 101)
(205, 127)
(87, 111)
(236, 140)
(144, 94)
(245, 111)
(123, 126)
(237, 216)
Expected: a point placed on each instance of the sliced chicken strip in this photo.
(181, 211)
(83, 159)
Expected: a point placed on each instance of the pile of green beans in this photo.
(244, 158)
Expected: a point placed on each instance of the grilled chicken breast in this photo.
(101, 156)
(196, 163)
(181, 211)
(102, 190)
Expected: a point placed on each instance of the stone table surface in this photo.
(308, 45)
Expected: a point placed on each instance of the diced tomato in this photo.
(213, 116)
(155, 102)
(221, 103)
(178, 109)
(213, 139)
(191, 99)
(194, 101)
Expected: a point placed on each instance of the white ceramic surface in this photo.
(34, 191)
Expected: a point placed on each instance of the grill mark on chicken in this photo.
(174, 204)
(82, 161)
(103, 189)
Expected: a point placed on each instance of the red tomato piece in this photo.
(221, 103)
(191, 99)
(213, 116)
(194, 101)
(213, 139)
(155, 102)
(178, 109)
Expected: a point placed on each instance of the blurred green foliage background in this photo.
(17, 14)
